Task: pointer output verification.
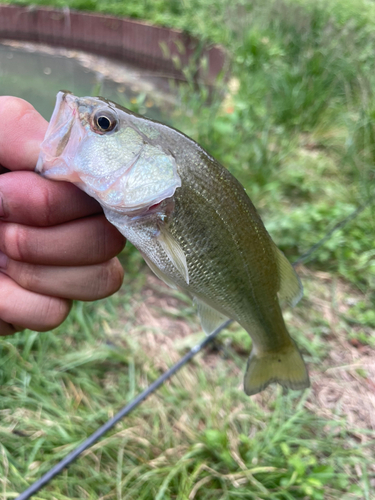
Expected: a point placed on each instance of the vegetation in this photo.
(295, 123)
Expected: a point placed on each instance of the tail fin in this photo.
(285, 367)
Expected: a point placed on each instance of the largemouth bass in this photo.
(191, 219)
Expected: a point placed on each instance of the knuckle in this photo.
(103, 238)
(45, 212)
(16, 243)
(54, 311)
(29, 278)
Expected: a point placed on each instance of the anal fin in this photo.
(210, 318)
(291, 290)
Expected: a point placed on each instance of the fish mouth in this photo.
(146, 176)
(59, 131)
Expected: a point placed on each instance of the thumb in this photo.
(22, 130)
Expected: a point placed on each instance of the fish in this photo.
(192, 221)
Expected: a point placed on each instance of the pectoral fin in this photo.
(291, 290)
(210, 318)
(162, 276)
(174, 252)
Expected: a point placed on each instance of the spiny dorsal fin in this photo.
(174, 252)
(291, 290)
(210, 318)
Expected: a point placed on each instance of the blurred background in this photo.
(282, 94)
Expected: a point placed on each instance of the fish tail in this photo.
(285, 366)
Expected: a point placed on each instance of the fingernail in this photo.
(3, 260)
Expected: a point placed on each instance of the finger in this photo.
(6, 329)
(3, 170)
(79, 283)
(22, 130)
(28, 198)
(27, 309)
(81, 242)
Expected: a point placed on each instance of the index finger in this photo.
(22, 130)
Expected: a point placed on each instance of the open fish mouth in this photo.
(63, 126)
(91, 143)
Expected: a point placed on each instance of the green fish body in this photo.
(190, 218)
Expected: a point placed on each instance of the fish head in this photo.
(98, 146)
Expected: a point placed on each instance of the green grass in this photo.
(198, 437)
(295, 124)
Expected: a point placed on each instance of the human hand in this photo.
(55, 243)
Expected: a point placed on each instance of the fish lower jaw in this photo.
(158, 211)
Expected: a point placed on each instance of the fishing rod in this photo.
(73, 455)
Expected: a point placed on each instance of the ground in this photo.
(342, 383)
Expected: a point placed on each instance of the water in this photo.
(36, 73)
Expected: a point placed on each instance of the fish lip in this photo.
(58, 131)
(57, 135)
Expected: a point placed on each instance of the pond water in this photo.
(36, 73)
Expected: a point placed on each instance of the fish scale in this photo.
(233, 287)
(190, 218)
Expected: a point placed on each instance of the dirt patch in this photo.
(343, 385)
(344, 388)
(164, 313)
(161, 323)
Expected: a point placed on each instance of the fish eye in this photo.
(103, 122)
